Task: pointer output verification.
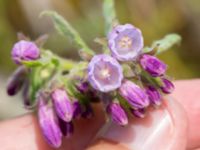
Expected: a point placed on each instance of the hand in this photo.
(173, 126)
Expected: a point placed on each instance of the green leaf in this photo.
(67, 30)
(109, 14)
(166, 43)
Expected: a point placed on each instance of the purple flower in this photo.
(125, 42)
(25, 51)
(76, 109)
(154, 95)
(139, 113)
(67, 128)
(134, 95)
(168, 86)
(49, 125)
(104, 73)
(16, 81)
(153, 65)
(62, 104)
(117, 113)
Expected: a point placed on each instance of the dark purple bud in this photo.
(76, 109)
(139, 113)
(153, 65)
(134, 95)
(26, 96)
(168, 86)
(67, 128)
(25, 51)
(117, 113)
(16, 81)
(88, 112)
(62, 104)
(83, 87)
(49, 125)
(154, 95)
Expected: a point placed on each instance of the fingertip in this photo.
(22, 133)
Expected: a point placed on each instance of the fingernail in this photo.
(164, 128)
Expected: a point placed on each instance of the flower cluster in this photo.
(62, 90)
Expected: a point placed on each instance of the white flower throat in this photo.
(125, 42)
(105, 73)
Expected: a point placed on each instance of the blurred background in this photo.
(154, 17)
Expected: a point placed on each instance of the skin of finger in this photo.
(24, 133)
(172, 136)
(188, 94)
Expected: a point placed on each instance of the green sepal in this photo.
(166, 43)
(163, 45)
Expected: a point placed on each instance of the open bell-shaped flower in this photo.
(104, 73)
(62, 104)
(134, 95)
(25, 51)
(125, 42)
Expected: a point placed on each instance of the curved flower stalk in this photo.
(127, 77)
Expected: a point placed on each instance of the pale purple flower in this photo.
(154, 95)
(153, 65)
(16, 81)
(139, 113)
(62, 104)
(134, 95)
(168, 86)
(125, 42)
(117, 113)
(104, 73)
(25, 51)
(49, 125)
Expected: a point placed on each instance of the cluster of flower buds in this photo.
(62, 90)
(105, 74)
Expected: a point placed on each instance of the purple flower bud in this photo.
(88, 112)
(153, 65)
(16, 81)
(67, 128)
(125, 42)
(49, 125)
(62, 104)
(168, 86)
(139, 113)
(117, 113)
(76, 109)
(154, 95)
(25, 51)
(83, 87)
(104, 73)
(135, 96)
